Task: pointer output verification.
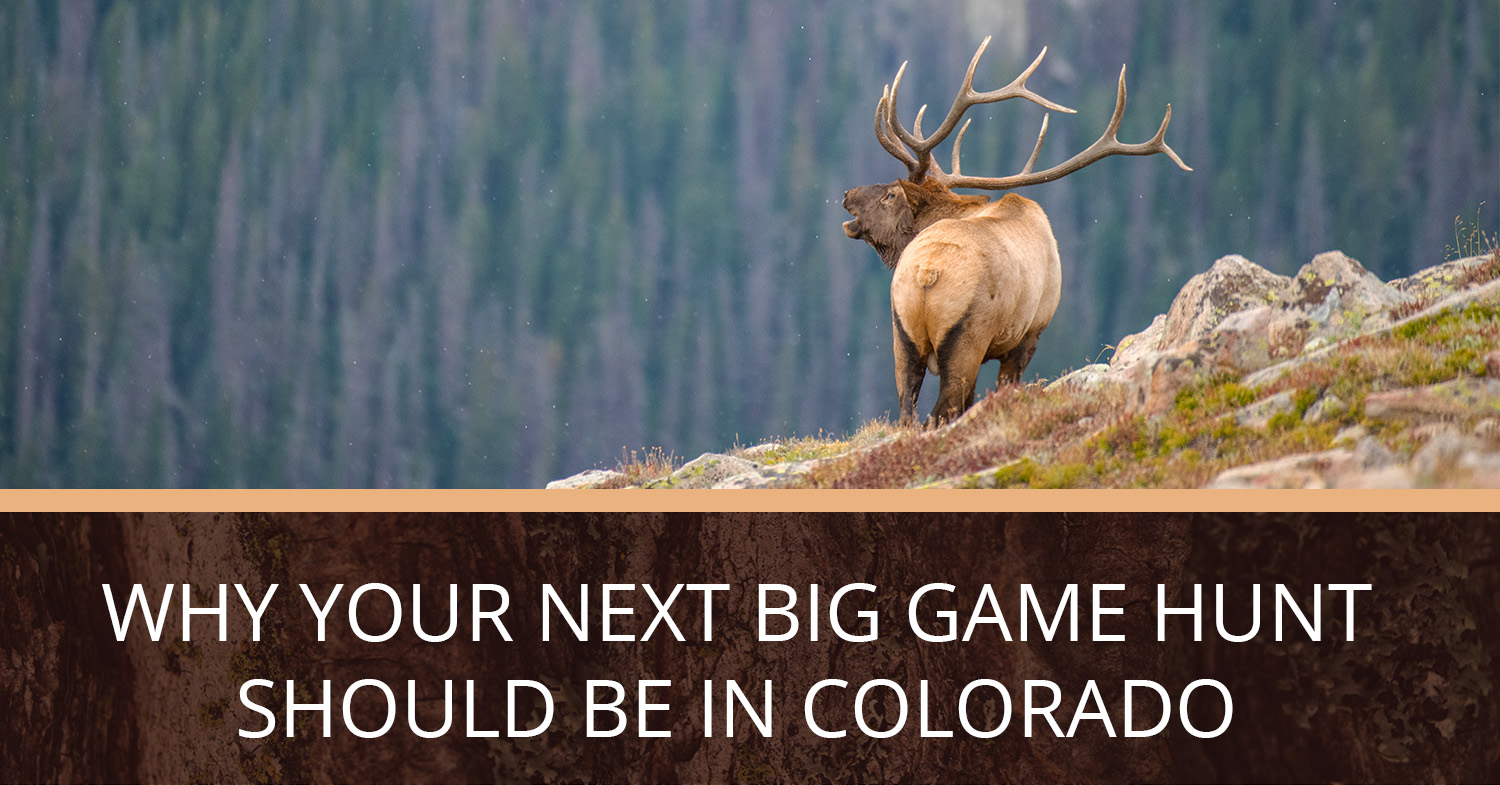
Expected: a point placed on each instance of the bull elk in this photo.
(974, 280)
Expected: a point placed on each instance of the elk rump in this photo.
(970, 290)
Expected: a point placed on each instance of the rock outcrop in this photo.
(1238, 321)
(1239, 318)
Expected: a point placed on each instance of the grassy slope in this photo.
(1073, 437)
(1068, 438)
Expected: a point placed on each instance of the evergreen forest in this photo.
(488, 244)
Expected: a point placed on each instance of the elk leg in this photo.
(911, 369)
(959, 358)
(1013, 363)
(955, 396)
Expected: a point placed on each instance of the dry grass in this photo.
(638, 467)
(1486, 271)
(1005, 424)
(1470, 239)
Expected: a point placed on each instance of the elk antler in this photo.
(919, 160)
(1106, 145)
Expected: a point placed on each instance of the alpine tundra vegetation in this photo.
(1328, 378)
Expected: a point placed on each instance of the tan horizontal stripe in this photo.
(749, 500)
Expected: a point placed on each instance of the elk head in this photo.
(889, 215)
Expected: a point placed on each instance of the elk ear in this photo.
(916, 195)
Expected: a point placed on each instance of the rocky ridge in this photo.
(1240, 325)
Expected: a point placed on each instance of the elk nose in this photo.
(846, 199)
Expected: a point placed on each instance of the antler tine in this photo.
(958, 143)
(921, 146)
(1119, 114)
(882, 124)
(1156, 144)
(1161, 139)
(890, 110)
(1016, 89)
(1106, 145)
(1035, 151)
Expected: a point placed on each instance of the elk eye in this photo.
(888, 197)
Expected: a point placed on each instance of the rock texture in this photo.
(1240, 318)
(706, 471)
(593, 478)
(1368, 465)
(1448, 400)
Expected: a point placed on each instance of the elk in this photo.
(973, 280)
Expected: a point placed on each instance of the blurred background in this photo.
(491, 244)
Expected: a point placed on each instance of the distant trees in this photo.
(493, 243)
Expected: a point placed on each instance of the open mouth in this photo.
(853, 229)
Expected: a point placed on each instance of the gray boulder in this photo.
(1233, 284)
(705, 471)
(593, 478)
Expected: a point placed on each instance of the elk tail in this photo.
(927, 275)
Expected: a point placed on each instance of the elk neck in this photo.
(931, 201)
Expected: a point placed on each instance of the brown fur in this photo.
(974, 280)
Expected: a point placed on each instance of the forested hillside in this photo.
(488, 244)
